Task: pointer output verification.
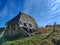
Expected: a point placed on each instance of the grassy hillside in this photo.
(46, 38)
(32, 40)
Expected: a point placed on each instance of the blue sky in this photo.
(43, 11)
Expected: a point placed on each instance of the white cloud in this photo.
(49, 16)
(54, 8)
(31, 4)
(55, 12)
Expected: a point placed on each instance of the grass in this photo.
(39, 39)
(32, 40)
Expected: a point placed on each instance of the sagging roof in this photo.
(16, 18)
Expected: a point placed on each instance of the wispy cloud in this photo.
(31, 4)
(56, 8)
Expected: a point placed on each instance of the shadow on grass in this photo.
(7, 38)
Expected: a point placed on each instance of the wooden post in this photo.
(54, 26)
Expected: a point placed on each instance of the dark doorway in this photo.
(25, 24)
(31, 31)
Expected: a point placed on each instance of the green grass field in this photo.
(39, 39)
(32, 40)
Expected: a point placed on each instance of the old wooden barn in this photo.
(22, 24)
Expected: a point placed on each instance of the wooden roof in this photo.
(15, 20)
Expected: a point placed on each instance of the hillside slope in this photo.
(48, 38)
